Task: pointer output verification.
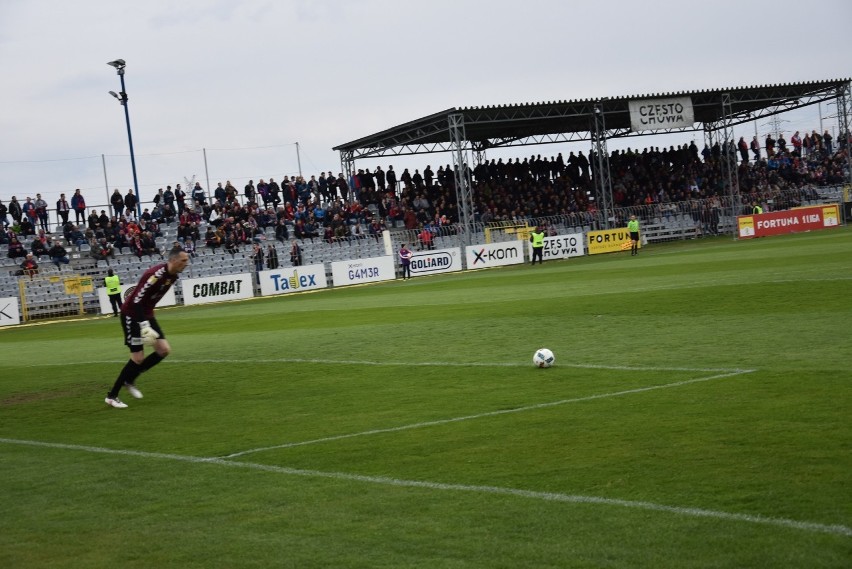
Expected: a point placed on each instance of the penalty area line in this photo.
(486, 414)
(811, 527)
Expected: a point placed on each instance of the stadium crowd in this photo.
(335, 208)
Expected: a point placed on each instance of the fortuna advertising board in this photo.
(359, 271)
(106, 308)
(494, 254)
(788, 221)
(10, 313)
(292, 279)
(658, 114)
(217, 289)
(438, 261)
(608, 240)
(561, 246)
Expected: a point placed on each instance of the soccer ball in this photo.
(543, 358)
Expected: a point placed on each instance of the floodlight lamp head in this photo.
(114, 94)
(118, 63)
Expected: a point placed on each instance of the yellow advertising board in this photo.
(78, 285)
(608, 240)
(831, 215)
(745, 226)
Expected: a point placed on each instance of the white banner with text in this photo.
(292, 279)
(357, 271)
(562, 246)
(217, 289)
(438, 261)
(10, 313)
(494, 254)
(659, 114)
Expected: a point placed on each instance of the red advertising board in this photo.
(788, 221)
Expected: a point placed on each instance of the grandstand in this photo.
(677, 193)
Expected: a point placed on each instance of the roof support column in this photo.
(844, 117)
(729, 161)
(603, 180)
(464, 192)
(347, 167)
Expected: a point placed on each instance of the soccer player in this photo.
(139, 307)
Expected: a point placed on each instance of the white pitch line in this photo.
(402, 364)
(811, 527)
(486, 414)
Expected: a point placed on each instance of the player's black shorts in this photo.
(131, 329)
(634, 235)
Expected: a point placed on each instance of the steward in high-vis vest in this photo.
(537, 240)
(113, 286)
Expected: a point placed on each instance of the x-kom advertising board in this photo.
(494, 254)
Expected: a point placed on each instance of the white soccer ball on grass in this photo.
(543, 358)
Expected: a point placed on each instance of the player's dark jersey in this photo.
(152, 286)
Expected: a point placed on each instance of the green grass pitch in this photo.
(698, 415)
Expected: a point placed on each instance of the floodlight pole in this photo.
(119, 65)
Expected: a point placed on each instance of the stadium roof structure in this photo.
(478, 129)
(495, 126)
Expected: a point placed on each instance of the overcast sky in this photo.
(248, 79)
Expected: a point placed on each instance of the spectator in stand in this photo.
(15, 210)
(295, 253)
(391, 177)
(169, 200)
(101, 250)
(62, 209)
(77, 237)
(26, 228)
(130, 203)
(230, 192)
(29, 267)
(16, 248)
(4, 220)
(41, 212)
(220, 196)
(198, 196)
(58, 255)
(136, 247)
(796, 141)
(30, 211)
(189, 247)
(273, 190)
(211, 239)
(271, 257)
(121, 241)
(39, 246)
(149, 244)
(426, 239)
(257, 256)
(742, 146)
(180, 198)
(78, 204)
(826, 141)
(158, 197)
(117, 202)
